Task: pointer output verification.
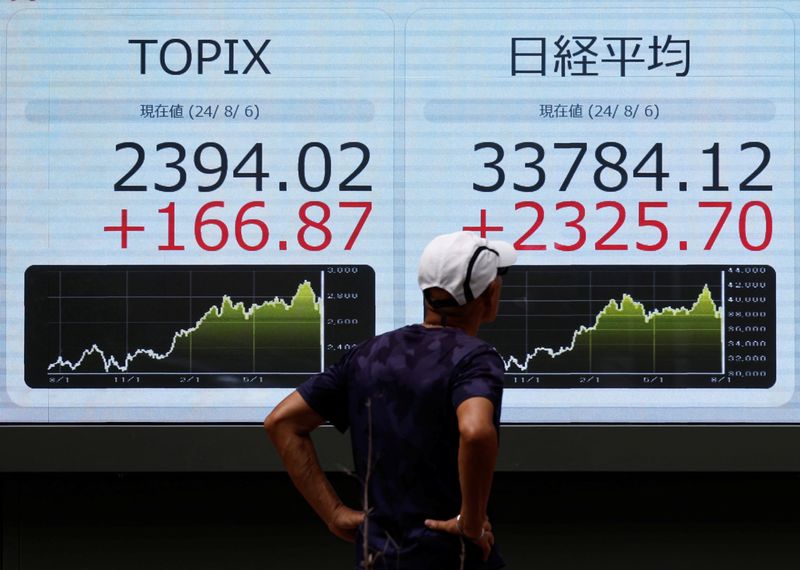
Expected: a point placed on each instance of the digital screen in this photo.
(634, 326)
(190, 327)
(205, 204)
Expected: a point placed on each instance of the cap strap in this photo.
(439, 303)
(468, 296)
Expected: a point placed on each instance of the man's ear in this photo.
(491, 289)
(488, 299)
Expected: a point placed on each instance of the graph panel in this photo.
(191, 326)
(637, 326)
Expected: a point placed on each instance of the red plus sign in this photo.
(483, 228)
(123, 228)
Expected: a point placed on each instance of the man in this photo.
(423, 405)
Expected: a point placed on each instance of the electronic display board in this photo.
(203, 204)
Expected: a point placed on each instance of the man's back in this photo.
(423, 407)
(398, 393)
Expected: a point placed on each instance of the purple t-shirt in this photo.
(410, 382)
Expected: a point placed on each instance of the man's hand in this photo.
(289, 426)
(344, 522)
(451, 527)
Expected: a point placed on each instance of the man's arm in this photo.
(477, 454)
(289, 427)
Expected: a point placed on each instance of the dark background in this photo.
(255, 520)
(122, 308)
(580, 497)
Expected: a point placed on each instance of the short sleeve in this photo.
(479, 374)
(326, 393)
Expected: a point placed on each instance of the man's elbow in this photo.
(478, 433)
(291, 418)
(281, 425)
(274, 423)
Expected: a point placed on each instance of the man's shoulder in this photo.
(420, 334)
(386, 338)
(453, 342)
(468, 345)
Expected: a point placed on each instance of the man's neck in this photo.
(435, 320)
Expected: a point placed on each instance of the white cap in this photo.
(463, 264)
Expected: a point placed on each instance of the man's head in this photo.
(459, 275)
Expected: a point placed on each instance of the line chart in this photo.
(636, 326)
(628, 318)
(182, 326)
(298, 318)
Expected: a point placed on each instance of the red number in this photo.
(726, 210)
(171, 245)
(660, 226)
(241, 223)
(199, 223)
(361, 221)
(601, 244)
(535, 226)
(576, 223)
(743, 226)
(316, 224)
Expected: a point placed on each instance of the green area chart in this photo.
(230, 337)
(626, 338)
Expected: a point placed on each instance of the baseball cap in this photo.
(462, 264)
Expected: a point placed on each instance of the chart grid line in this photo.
(629, 325)
(191, 326)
